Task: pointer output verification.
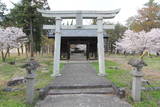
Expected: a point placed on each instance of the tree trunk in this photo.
(157, 54)
(6, 53)
(31, 39)
(111, 48)
(9, 54)
(18, 52)
(26, 48)
(2, 54)
(22, 49)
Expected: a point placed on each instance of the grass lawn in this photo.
(7, 71)
(121, 77)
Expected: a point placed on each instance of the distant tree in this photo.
(3, 8)
(139, 42)
(47, 45)
(94, 21)
(10, 38)
(154, 35)
(130, 22)
(147, 17)
(114, 35)
(71, 22)
(25, 15)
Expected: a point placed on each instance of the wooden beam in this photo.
(49, 27)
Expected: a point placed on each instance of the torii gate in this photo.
(79, 16)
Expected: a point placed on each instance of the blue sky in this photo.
(128, 7)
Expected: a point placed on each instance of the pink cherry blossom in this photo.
(133, 42)
(11, 37)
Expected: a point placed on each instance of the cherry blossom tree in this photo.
(10, 38)
(154, 35)
(133, 42)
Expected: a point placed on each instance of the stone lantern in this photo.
(137, 65)
(31, 67)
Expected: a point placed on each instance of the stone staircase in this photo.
(79, 86)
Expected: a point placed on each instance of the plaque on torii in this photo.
(79, 30)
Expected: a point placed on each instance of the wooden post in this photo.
(100, 38)
(56, 66)
(68, 50)
(87, 51)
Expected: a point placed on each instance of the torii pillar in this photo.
(57, 46)
(101, 54)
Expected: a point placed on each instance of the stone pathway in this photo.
(77, 57)
(79, 86)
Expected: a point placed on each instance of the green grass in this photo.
(17, 98)
(122, 78)
(152, 62)
(7, 71)
(149, 99)
(13, 99)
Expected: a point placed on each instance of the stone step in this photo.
(79, 86)
(82, 100)
(81, 91)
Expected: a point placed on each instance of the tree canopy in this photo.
(10, 38)
(115, 34)
(148, 17)
(25, 15)
(138, 42)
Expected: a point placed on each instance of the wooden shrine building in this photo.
(91, 35)
(87, 37)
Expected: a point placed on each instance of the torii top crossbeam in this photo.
(79, 16)
(84, 14)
